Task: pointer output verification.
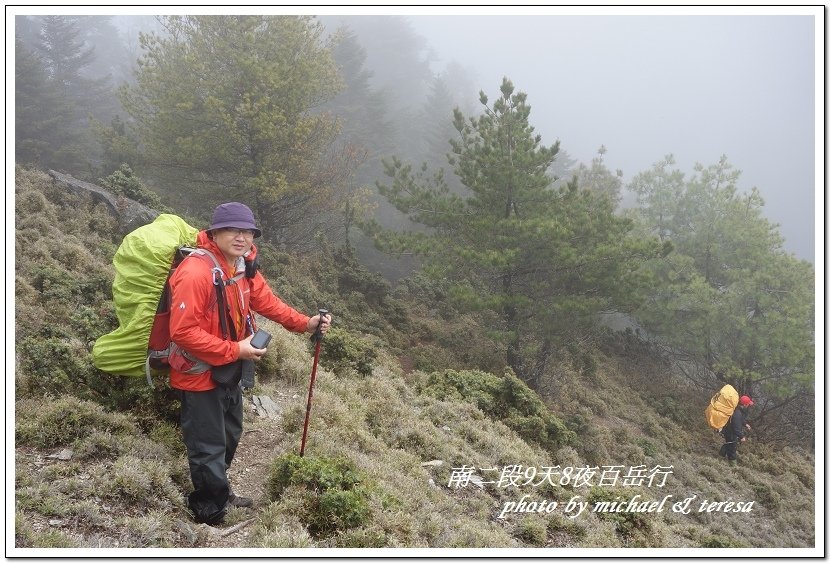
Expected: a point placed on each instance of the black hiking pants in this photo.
(211, 428)
(730, 449)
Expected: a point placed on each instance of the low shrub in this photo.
(564, 531)
(649, 448)
(504, 398)
(344, 350)
(125, 183)
(531, 531)
(293, 418)
(141, 482)
(670, 408)
(429, 357)
(169, 436)
(634, 528)
(361, 537)
(269, 366)
(766, 496)
(720, 541)
(46, 424)
(150, 530)
(43, 499)
(332, 498)
(353, 276)
(286, 537)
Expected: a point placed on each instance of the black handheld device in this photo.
(261, 339)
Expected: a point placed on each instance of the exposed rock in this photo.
(129, 213)
(477, 481)
(63, 455)
(264, 406)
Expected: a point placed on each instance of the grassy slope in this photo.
(126, 481)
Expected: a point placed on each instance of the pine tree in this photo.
(360, 108)
(599, 178)
(546, 260)
(66, 55)
(227, 108)
(119, 146)
(112, 58)
(435, 129)
(43, 118)
(447, 91)
(400, 71)
(731, 304)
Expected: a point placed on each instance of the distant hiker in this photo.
(735, 430)
(220, 341)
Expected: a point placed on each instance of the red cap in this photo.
(745, 401)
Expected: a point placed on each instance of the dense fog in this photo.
(645, 86)
(635, 87)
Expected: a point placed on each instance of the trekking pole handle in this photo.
(318, 335)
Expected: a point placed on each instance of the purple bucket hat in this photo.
(234, 214)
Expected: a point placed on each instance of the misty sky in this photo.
(695, 86)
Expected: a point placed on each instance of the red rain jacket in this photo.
(194, 316)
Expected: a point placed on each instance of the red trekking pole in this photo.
(317, 337)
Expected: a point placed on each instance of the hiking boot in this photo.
(240, 502)
(733, 462)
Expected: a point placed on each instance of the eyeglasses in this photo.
(247, 233)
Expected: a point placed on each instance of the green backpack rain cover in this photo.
(142, 263)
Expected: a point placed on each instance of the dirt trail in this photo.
(261, 442)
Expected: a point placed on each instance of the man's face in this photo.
(233, 242)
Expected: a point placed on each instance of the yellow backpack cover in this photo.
(721, 407)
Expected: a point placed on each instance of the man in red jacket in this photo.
(211, 341)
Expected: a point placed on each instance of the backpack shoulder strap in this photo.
(228, 328)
